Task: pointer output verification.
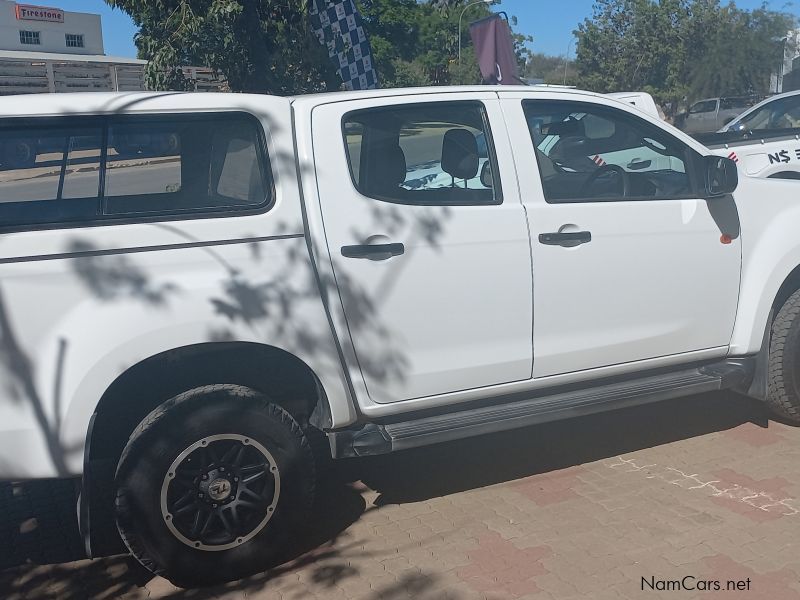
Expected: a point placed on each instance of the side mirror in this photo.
(486, 174)
(721, 176)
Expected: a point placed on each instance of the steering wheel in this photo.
(622, 175)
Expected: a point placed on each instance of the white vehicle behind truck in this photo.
(192, 327)
(764, 140)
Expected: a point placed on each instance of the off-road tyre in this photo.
(155, 446)
(783, 394)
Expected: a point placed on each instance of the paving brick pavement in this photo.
(618, 505)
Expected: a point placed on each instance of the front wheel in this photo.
(783, 395)
(214, 485)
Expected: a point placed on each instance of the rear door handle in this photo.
(373, 251)
(566, 239)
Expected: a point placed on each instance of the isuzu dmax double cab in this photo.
(198, 289)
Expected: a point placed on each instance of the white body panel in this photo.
(770, 214)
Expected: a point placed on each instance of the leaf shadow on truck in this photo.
(119, 278)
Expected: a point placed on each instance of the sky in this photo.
(550, 23)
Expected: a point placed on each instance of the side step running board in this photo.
(376, 438)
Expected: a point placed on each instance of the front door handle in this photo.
(373, 251)
(568, 239)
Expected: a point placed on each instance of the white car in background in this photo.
(641, 100)
(764, 140)
(775, 113)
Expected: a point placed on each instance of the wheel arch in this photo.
(758, 387)
(286, 379)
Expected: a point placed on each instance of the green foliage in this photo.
(679, 49)
(417, 43)
(259, 45)
(551, 69)
(267, 45)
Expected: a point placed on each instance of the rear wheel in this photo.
(784, 361)
(214, 485)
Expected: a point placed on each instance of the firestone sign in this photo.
(26, 12)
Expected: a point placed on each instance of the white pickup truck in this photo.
(197, 289)
(764, 140)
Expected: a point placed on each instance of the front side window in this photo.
(432, 153)
(130, 165)
(29, 37)
(591, 153)
(74, 40)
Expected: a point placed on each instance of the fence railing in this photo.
(42, 76)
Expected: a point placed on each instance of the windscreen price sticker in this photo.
(690, 583)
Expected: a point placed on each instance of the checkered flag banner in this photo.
(338, 26)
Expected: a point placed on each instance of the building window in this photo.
(29, 37)
(74, 40)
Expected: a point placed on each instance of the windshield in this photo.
(783, 113)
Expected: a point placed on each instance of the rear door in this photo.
(428, 242)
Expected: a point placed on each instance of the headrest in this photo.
(460, 154)
(388, 167)
(571, 127)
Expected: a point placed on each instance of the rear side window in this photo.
(130, 165)
(734, 103)
(431, 153)
(705, 106)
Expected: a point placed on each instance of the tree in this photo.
(740, 50)
(679, 49)
(551, 69)
(424, 49)
(261, 46)
(267, 45)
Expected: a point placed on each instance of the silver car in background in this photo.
(711, 114)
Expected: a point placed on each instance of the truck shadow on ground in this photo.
(331, 555)
(424, 473)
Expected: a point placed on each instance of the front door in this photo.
(428, 242)
(630, 264)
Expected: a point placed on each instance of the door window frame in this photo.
(490, 150)
(691, 158)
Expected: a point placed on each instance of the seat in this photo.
(388, 171)
(460, 154)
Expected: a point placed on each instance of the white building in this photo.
(31, 28)
(46, 49)
(785, 78)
